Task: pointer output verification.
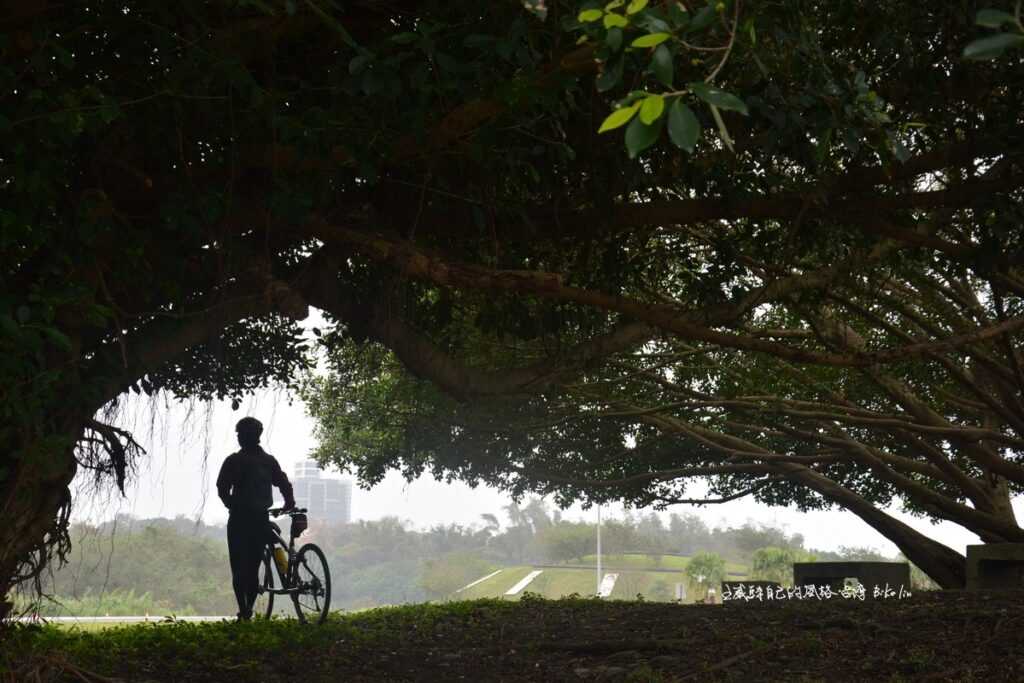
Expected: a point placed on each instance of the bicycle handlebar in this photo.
(277, 512)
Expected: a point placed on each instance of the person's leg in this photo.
(236, 556)
(255, 542)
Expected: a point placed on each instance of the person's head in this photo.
(249, 430)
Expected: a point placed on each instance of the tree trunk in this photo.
(1001, 499)
(34, 500)
(942, 564)
(999, 503)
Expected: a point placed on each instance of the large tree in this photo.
(847, 335)
(181, 181)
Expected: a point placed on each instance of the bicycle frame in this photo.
(293, 582)
(289, 548)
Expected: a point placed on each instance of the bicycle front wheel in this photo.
(264, 604)
(312, 585)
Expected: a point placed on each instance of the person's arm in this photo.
(226, 480)
(280, 480)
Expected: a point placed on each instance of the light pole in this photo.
(599, 551)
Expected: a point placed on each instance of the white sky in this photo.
(174, 480)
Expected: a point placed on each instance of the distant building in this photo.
(329, 500)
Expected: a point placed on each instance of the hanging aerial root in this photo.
(107, 450)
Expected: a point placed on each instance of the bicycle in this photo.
(303, 574)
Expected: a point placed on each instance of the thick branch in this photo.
(415, 262)
(427, 360)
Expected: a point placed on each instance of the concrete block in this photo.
(894, 575)
(995, 566)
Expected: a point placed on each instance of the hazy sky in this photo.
(174, 480)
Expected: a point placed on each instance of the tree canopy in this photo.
(823, 185)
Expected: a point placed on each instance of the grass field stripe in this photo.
(524, 582)
(480, 580)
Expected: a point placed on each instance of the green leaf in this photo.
(614, 4)
(640, 136)
(651, 108)
(614, 39)
(477, 40)
(636, 6)
(618, 118)
(992, 46)
(661, 65)
(653, 24)
(612, 20)
(358, 63)
(264, 6)
(589, 15)
(718, 97)
(683, 126)
(678, 14)
(331, 21)
(109, 112)
(703, 19)
(57, 337)
(610, 77)
(405, 38)
(821, 150)
(994, 18)
(651, 39)
(9, 327)
(633, 96)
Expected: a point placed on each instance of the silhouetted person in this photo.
(244, 484)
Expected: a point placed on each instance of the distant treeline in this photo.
(130, 566)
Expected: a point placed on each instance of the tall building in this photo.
(326, 499)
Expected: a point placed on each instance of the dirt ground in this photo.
(939, 637)
(942, 636)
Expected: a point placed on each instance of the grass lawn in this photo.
(941, 636)
(636, 561)
(559, 583)
(89, 626)
(496, 586)
(639, 561)
(102, 625)
(639, 574)
(555, 583)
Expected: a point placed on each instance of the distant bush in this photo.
(706, 570)
(116, 603)
(776, 564)
(567, 541)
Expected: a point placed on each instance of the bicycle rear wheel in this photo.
(264, 605)
(312, 578)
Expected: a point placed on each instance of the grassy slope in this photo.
(554, 583)
(654, 562)
(639, 561)
(495, 586)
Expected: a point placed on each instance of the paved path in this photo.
(524, 582)
(480, 580)
(148, 618)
